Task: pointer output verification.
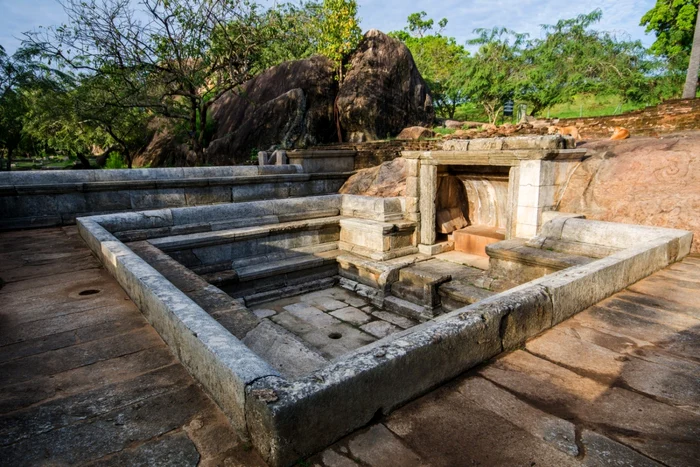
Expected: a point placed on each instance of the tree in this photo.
(339, 35)
(691, 81)
(494, 73)
(673, 22)
(572, 58)
(19, 74)
(173, 58)
(440, 60)
(339, 31)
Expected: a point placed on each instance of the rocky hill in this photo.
(293, 105)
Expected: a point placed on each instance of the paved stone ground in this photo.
(85, 380)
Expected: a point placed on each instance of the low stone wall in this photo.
(669, 117)
(49, 198)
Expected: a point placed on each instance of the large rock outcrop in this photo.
(289, 105)
(649, 181)
(383, 92)
(385, 180)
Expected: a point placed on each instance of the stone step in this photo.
(419, 283)
(408, 309)
(475, 238)
(458, 294)
(286, 265)
(516, 260)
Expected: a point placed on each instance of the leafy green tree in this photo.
(339, 31)
(174, 58)
(19, 74)
(440, 60)
(673, 22)
(494, 73)
(572, 58)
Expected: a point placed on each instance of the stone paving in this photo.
(333, 321)
(85, 380)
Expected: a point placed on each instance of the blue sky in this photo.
(620, 16)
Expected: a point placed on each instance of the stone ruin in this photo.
(306, 313)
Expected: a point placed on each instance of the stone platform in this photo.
(85, 380)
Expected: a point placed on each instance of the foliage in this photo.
(440, 60)
(673, 22)
(339, 31)
(296, 33)
(572, 58)
(494, 73)
(174, 58)
(115, 161)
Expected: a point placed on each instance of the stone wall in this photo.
(371, 154)
(668, 117)
(49, 198)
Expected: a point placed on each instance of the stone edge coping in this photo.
(45, 186)
(217, 359)
(42, 177)
(287, 420)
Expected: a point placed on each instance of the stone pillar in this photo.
(535, 194)
(428, 192)
(512, 202)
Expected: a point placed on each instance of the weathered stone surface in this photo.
(468, 434)
(386, 180)
(351, 315)
(416, 132)
(283, 350)
(383, 91)
(290, 105)
(625, 416)
(645, 181)
(379, 329)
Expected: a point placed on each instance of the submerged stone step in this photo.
(287, 265)
(458, 294)
(408, 309)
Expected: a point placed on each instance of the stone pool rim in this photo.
(288, 420)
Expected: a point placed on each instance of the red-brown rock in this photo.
(416, 132)
(649, 181)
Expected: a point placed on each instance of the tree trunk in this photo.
(9, 159)
(691, 80)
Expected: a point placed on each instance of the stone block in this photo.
(105, 201)
(486, 144)
(207, 195)
(135, 220)
(71, 203)
(154, 199)
(412, 167)
(412, 186)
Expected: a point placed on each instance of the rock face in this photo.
(383, 91)
(415, 132)
(645, 181)
(290, 105)
(386, 180)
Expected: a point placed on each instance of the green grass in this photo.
(587, 105)
(444, 131)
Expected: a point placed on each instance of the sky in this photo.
(619, 16)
